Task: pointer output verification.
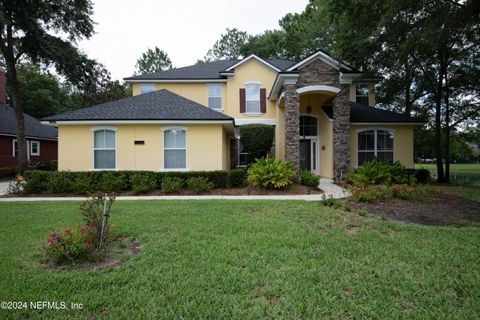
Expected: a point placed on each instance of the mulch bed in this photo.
(119, 252)
(293, 189)
(435, 209)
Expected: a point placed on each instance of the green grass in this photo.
(469, 192)
(471, 168)
(246, 260)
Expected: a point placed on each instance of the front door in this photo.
(305, 154)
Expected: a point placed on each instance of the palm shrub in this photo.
(377, 172)
(270, 173)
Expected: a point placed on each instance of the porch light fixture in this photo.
(309, 109)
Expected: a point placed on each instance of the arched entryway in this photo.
(309, 142)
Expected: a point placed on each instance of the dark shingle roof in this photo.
(209, 70)
(33, 127)
(360, 113)
(156, 105)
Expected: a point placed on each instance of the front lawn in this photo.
(246, 260)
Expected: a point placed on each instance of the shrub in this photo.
(72, 244)
(143, 182)
(36, 181)
(172, 184)
(257, 139)
(60, 182)
(7, 172)
(16, 186)
(377, 172)
(112, 181)
(83, 184)
(372, 193)
(307, 178)
(237, 177)
(270, 173)
(422, 175)
(199, 184)
(96, 212)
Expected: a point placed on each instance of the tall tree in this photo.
(153, 60)
(42, 93)
(228, 46)
(101, 89)
(31, 29)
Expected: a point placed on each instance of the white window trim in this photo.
(375, 130)
(94, 149)
(38, 148)
(208, 95)
(239, 153)
(13, 147)
(186, 150)
(253, 114)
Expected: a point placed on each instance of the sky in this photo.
(184, 29)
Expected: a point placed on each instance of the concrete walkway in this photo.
(4, 187)
(330, 190)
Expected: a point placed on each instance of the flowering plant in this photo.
(72, 243)
(17, 185)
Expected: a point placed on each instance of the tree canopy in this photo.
(153, 60)
(229, 46)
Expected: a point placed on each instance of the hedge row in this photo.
(90, 181)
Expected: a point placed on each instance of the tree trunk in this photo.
(438, 126)
(447, 133)
(10, 61)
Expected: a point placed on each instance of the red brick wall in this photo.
(48, 151)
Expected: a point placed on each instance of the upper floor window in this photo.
(147, 87)
(252, 98)
(104, 149)
(215, 96)
(362, 93)
(175, 148)
(375, 143)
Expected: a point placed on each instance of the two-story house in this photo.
(187, 118)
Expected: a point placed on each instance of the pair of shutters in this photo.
(263, 100)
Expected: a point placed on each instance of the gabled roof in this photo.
(328, 59)
(360, 113)
(33, 127)
(156, 105)
(204, 71)
(253, 57)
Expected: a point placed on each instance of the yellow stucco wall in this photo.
(280, 133)
(402, 143)
(206, 147)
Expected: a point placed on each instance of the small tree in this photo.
(257, 139)
(154, 60)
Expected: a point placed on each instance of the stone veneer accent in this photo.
(319, 73)
(233, 153)
(292, 125)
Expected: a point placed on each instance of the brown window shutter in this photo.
(242, 100)
(263, 100)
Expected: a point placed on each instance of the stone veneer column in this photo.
(341, 134)
(292, 125)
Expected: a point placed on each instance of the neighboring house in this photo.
(187, 119)
(41, 139)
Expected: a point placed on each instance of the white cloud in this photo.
(184, 29)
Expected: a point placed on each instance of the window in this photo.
(243, 157)
(104, 149)
(362, 93)
(308, 126)
(175, 149)
(146, 87)
(35, 148)
(375, 144)
(215, 96)
(252, 98)
(14, 148)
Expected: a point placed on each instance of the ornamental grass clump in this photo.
(270, 173)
